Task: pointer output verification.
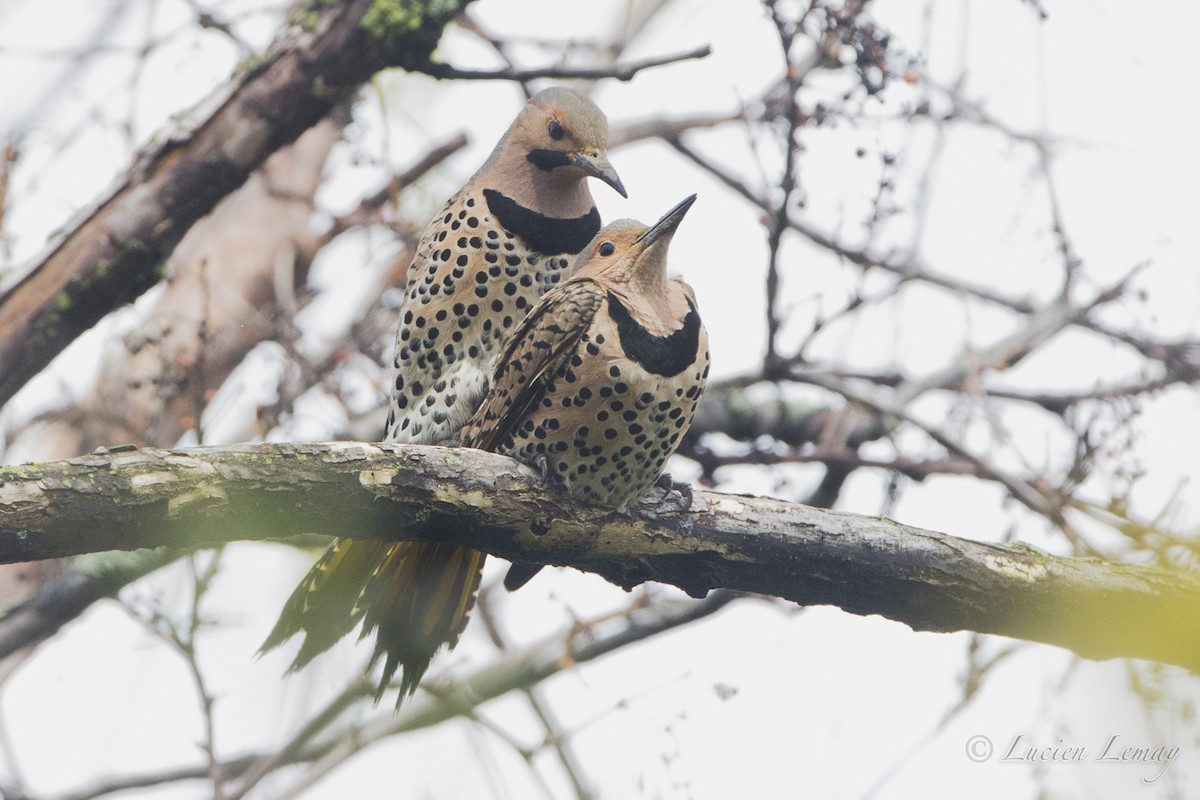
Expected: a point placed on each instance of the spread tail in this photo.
(325, 606)
(416, 597)
(419, 599)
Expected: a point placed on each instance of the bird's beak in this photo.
(598, 166)
(665, 227)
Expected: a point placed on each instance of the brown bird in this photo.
(497, 245)
(599, 383)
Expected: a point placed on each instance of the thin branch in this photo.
(1058, 402)
(620, 72)
(517, 670)
(908, 268)
(667, 128)
(1037, 329)
(444, 700)
(778, 221)
(9, 153)
(62, 599)
(1035, 499)
(841, 457)
(183, 641)
(291, 752)
(553, 735)
(370, 205)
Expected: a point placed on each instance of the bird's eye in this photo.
(556, 130)
(607, 248)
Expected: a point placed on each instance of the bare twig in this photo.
(553, 736)
(521, 668)
(370, 205)
(908, 268)
(8, 158)
(293, 750)
(184, 641)
(448, 699)
(620, 72)
(787, 30)
(62, 599)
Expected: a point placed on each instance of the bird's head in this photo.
(563, 133)
(627, 251)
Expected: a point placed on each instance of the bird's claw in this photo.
(667, 490)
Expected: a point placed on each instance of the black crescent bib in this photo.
(546, 235)
(662, 355)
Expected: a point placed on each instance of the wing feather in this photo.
(532, 355)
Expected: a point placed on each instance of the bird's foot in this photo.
(542, 466)
(667, 490)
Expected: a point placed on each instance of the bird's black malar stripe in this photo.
(547, 160)
(662, 355)
(543, 234)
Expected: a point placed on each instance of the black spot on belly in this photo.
(662, 355)
(543, 234)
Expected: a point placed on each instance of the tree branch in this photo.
(927, 580)
(444, 698)
(113, 251)
(65, 597)
(620, 72)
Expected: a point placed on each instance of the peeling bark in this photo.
(930, 581)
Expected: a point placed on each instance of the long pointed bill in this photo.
(598, 166)
(666, 226)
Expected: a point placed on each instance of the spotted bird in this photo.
(599, 383)
(482, 263)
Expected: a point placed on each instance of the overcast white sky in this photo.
(824, 704)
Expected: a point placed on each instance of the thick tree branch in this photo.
(113, 251)
(927, 580)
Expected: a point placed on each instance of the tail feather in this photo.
(325, 605)
(415, 596)
(419, 599)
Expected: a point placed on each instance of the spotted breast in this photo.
(599, 383)
(484, 260)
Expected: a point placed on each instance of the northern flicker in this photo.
(599, 383)
(496, 246)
